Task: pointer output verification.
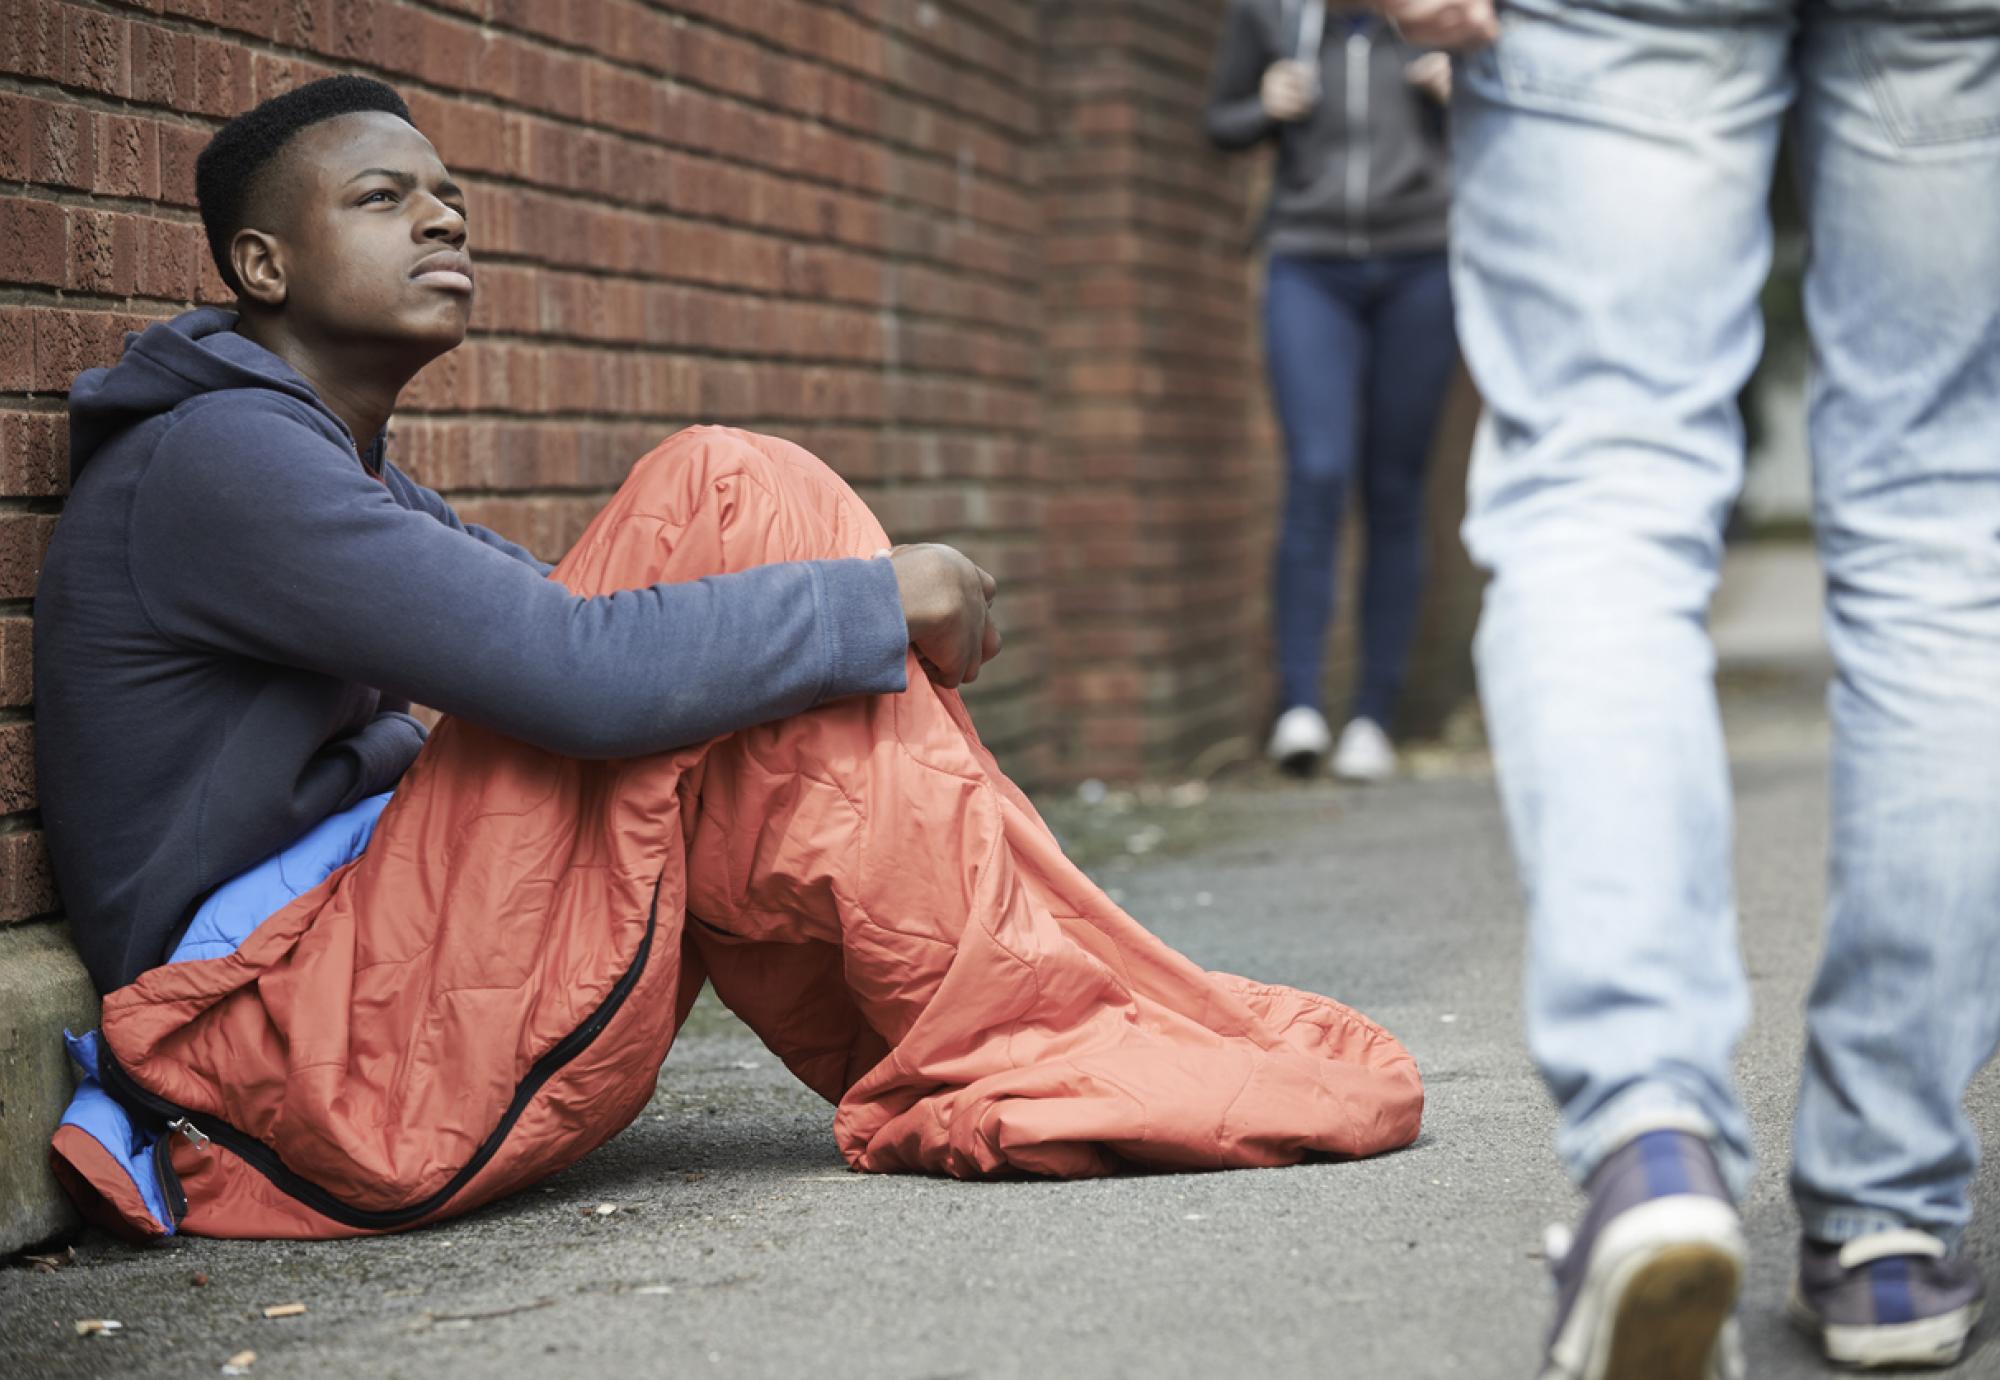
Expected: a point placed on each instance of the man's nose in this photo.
(443, 222)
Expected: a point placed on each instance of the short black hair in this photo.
(227, 171)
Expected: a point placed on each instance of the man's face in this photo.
(372, 236)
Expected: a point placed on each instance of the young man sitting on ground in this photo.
(355, 981)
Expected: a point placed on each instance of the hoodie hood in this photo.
(166, 364)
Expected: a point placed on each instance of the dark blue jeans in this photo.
(1361, 352)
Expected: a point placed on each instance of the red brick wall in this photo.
(1164, 482)
(972, 252)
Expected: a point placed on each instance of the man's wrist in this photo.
(918, 584)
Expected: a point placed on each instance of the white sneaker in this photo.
(1299, 738)
(1365, 753)
(1646, 1286)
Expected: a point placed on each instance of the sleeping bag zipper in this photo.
(265, 1160)
(169, 1180)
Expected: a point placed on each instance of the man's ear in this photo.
(259, 265)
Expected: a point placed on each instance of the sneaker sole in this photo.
(1671, 1314)
(1297, 763)
(1657, 1307)
(1927, 1342)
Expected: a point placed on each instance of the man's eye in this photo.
(384, 192)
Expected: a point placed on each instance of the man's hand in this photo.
(1454, 25)
(947, 602)
(1289, 91)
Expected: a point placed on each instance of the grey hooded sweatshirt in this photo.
(237, 611)
(1366, 171)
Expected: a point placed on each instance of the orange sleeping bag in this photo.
(488, 991)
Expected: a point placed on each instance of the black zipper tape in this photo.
(265, 1160)
(169, 1181)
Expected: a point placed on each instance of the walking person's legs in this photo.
(1611, 237)
(1413, 352)
(1316, 348)
(1900, 162)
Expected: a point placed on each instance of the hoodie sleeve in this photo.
(432, 502)
(255, 535)
(380, 752)
(1235, 117)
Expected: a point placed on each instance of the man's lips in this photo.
(451, 271)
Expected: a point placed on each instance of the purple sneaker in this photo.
(1646, 1286)
(1893, 1298)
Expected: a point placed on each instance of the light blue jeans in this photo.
(1610, 236)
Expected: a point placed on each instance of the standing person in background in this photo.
(1358, 334)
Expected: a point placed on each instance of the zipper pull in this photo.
(193, 1133)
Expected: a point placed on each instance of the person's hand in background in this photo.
(1289, 91)
(1454, 25)
(947, 602)
(1431, 74)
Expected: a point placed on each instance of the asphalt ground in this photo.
(736, 1243)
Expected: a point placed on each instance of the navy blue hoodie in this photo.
(235, 615)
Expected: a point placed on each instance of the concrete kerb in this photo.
(43, 988)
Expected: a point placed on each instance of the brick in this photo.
(16, 130)
(34, 454)
(351, 33)
(210, 63)
(299, 23)
(273, 74)
(17, 673)
(163, 67)
(62, 144)
(546, 526)
(209, 289)
(447, 52)
(170, 255)
(103, 252)
(180, 145)
(27, 882)
(97, 52)
(393, 38)
(34, 242)
(68, 342)
(128, 157)
(17, 350)
(257, 17)
(223, 84)
(32, 38)
(24, 537)
(17, 766)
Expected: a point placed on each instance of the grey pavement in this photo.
(739, 1246)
